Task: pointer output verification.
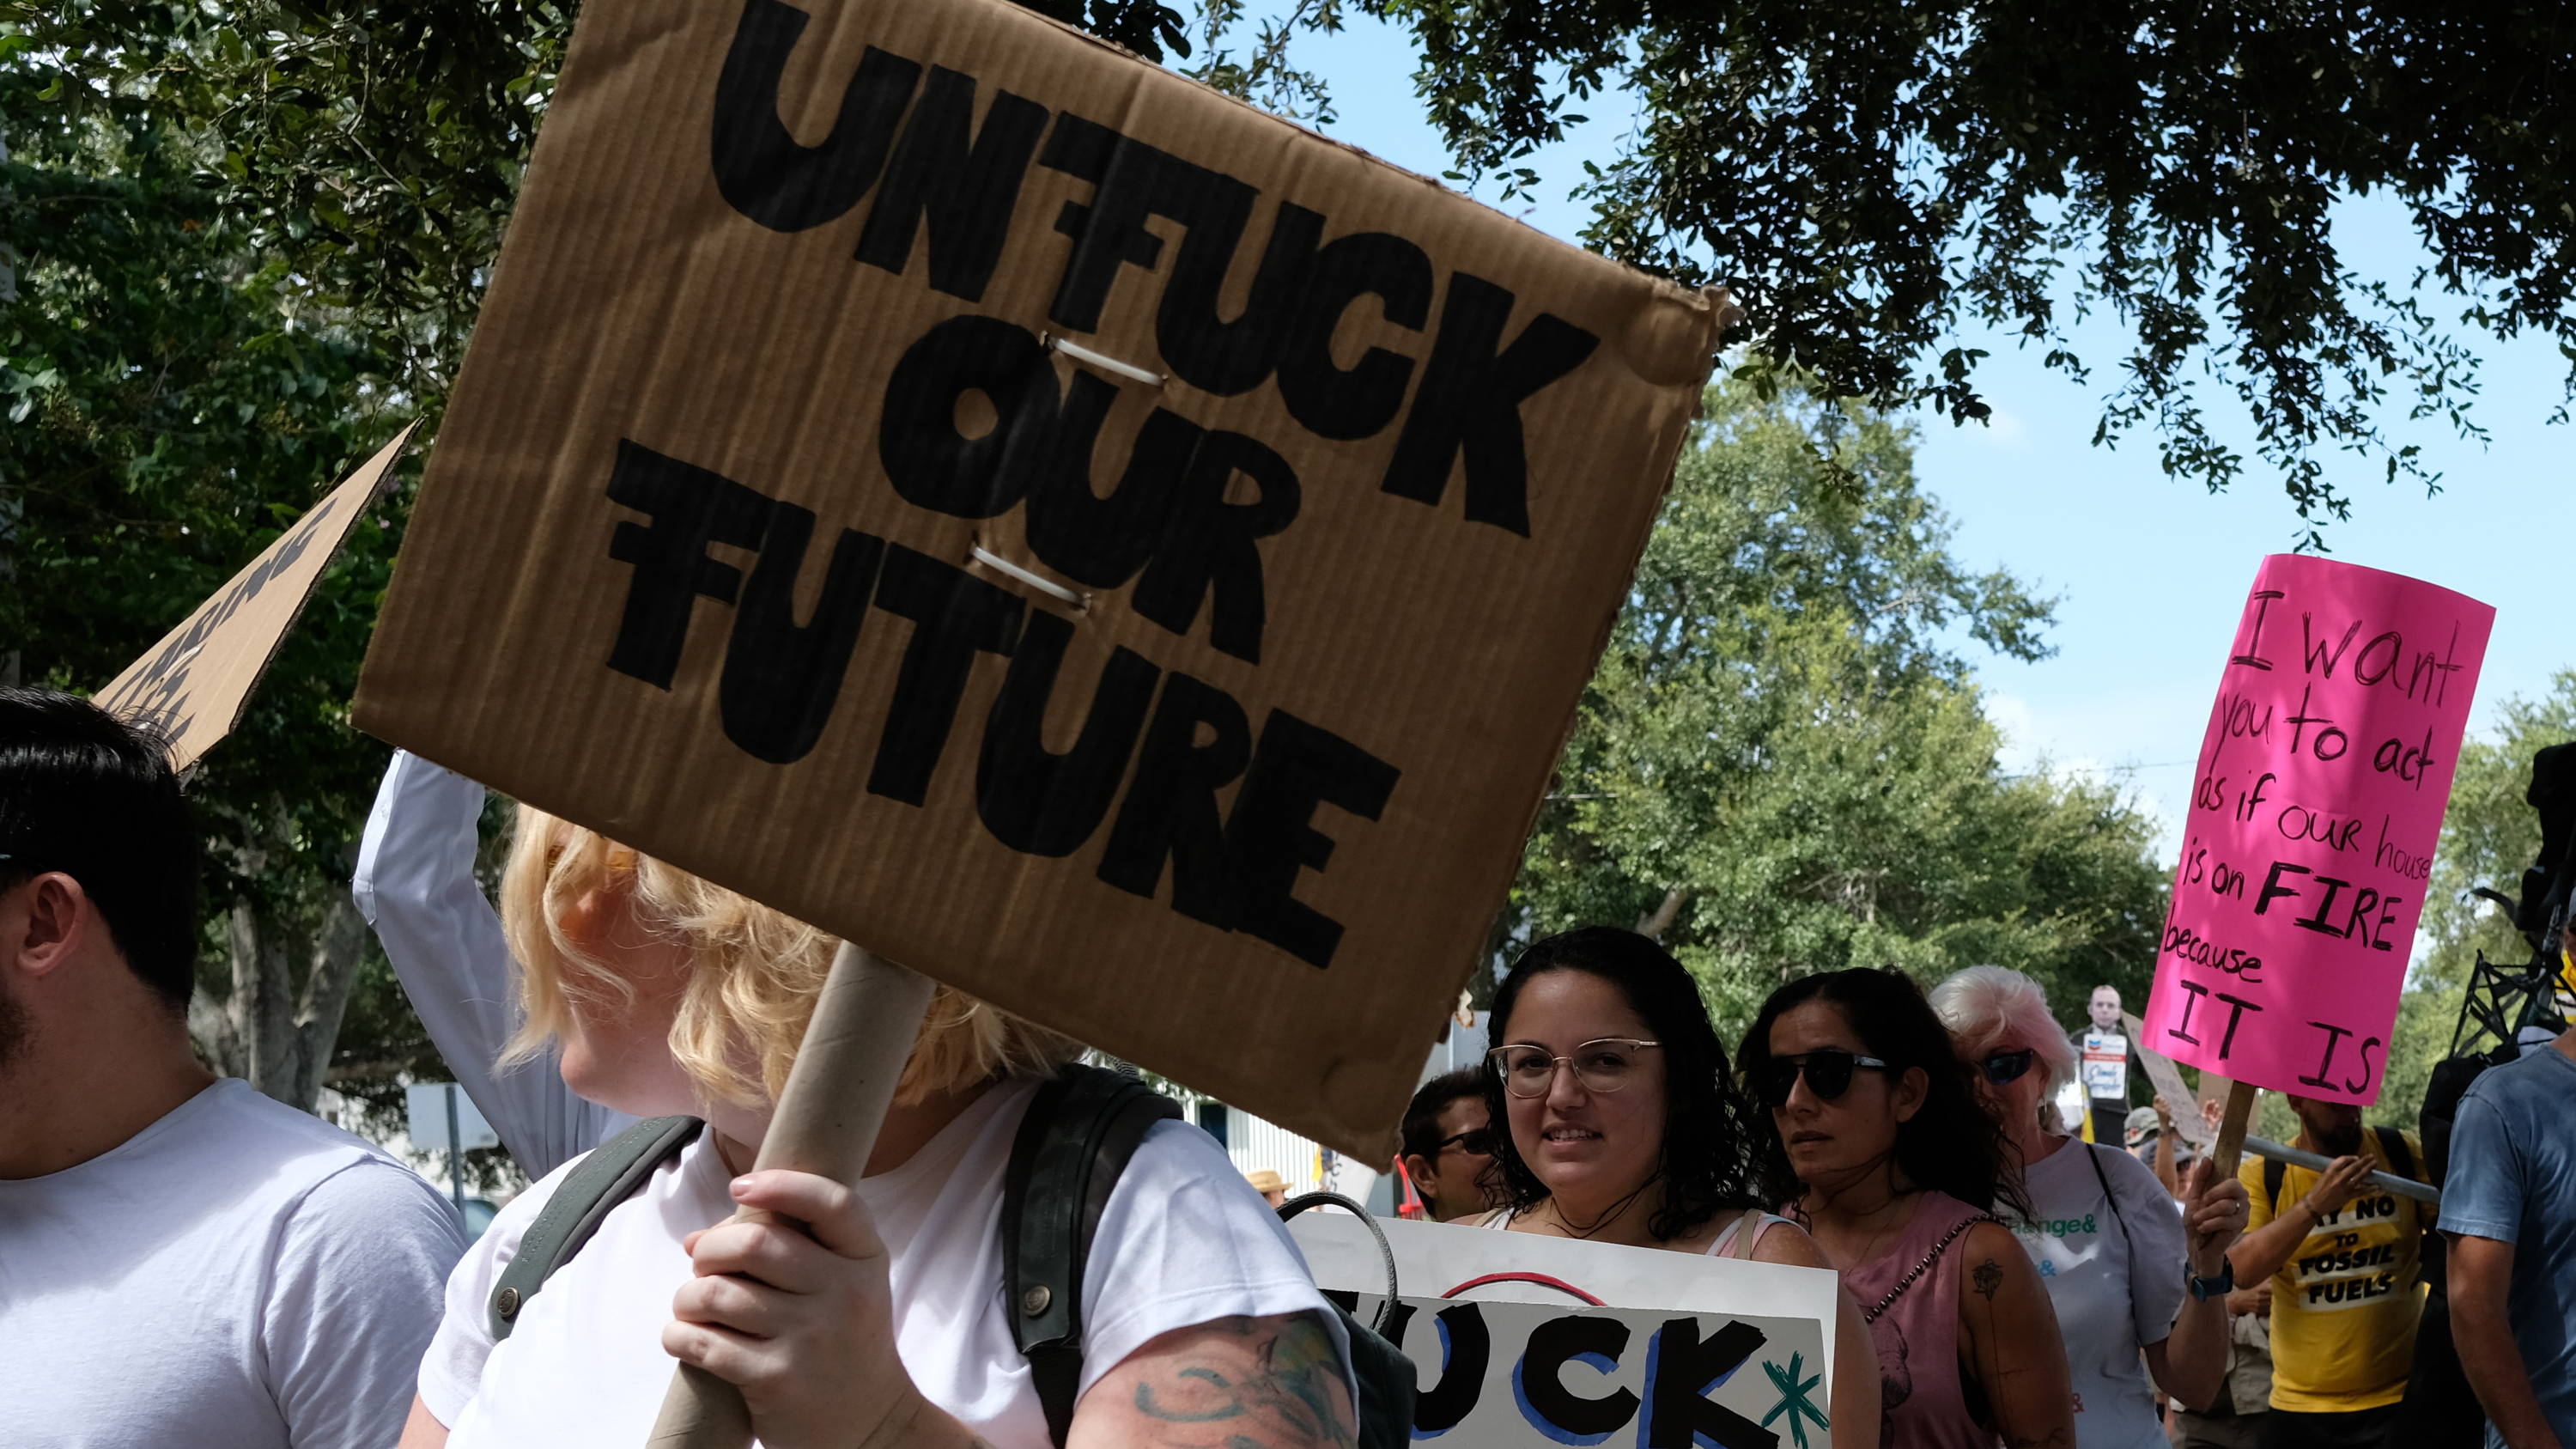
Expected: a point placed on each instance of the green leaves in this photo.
(1873, 176)
(1784, 734)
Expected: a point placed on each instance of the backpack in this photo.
(2392, 1145)
(1082, 1127)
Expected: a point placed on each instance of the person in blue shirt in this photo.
(2509, 1208)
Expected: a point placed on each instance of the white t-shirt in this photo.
(2113, 1291)
(1183, 1240)
(238, 1275)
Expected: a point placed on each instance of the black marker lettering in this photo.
(965, 191)
(1271, 834)
(1035, 800)
(2334, 1034)
(955, 616)
(691, 508)
(1171, 809)
(2253, 640)
(781, 678)
(1468, 408)
(1331, 401)
(759, 168)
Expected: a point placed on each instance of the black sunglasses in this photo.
(1828, 1073)
(2004, 1068)
(1478, 1140)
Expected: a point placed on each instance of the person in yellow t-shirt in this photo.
(2345, 1261)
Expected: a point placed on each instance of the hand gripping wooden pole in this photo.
(826, 1124)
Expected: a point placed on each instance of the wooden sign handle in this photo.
(826, 1124)
(2230, 1148)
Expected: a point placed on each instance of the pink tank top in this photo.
(1922, 1403)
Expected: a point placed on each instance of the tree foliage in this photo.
(1782, 764)
(1876, 175)
(169, 413)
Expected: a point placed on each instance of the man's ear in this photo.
(1911, 1089)
(47, 919)
(1419, 1169)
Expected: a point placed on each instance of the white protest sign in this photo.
(1524, 1342)
(2106, 1064)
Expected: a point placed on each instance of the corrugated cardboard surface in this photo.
(717, 351)
(193, 684)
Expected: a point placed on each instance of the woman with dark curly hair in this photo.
(1901, 1168)
(1625, 1127)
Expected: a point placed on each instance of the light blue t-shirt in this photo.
(2113, 1264)
(2513, 1179)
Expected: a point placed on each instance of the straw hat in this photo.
(1266, 1181)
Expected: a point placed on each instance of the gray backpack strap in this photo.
(605, 1178)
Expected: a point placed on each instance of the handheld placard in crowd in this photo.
(810, 313)
(193, 685)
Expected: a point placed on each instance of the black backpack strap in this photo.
(1081, 1129)
(606, 1177)
(2401, 1158)
(2273, 1173)
(2110, 1199)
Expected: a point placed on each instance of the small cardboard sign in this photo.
(193, 685)
(1524, 1342)
(2106, 1065)
(2321, 784)
(1100, 546)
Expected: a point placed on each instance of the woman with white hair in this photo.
(2128, 1276)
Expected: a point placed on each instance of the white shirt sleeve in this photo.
(353, 1298)
(452, 1369)
(1184, 1240)
(415, 884)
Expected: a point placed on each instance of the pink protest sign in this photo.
(2318, 803)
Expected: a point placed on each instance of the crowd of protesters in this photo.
(183, 1261)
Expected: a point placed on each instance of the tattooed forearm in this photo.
(1265, 1385)
(1988, 1278)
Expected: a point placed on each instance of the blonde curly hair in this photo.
(753, 980)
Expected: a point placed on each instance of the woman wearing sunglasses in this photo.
(1899, 1171)
(1623, 1127)
(2109, 1244)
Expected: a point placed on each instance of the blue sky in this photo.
(2151, 573)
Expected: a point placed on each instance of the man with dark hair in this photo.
(2345, 1259)
(182, 1260)
(1448, 1148)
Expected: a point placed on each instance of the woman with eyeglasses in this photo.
(2127, 1273)
(1899, 1174)
(1624, 1128)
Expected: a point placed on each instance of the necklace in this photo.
(1616, 1211)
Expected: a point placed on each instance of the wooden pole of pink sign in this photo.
(826, 1123)
(2230, 1147)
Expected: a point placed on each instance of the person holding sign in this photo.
(182, 1260)
(1623, 1126)
(883, 1322)
(2133, 1283)
(1903, 1170)
(2346, 1261)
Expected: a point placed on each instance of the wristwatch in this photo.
(2204, 1289)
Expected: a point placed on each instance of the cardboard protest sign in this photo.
(1114, 551)
(193, 684)
(1522, 1342)
(2322, 780)
(2180, 1102)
